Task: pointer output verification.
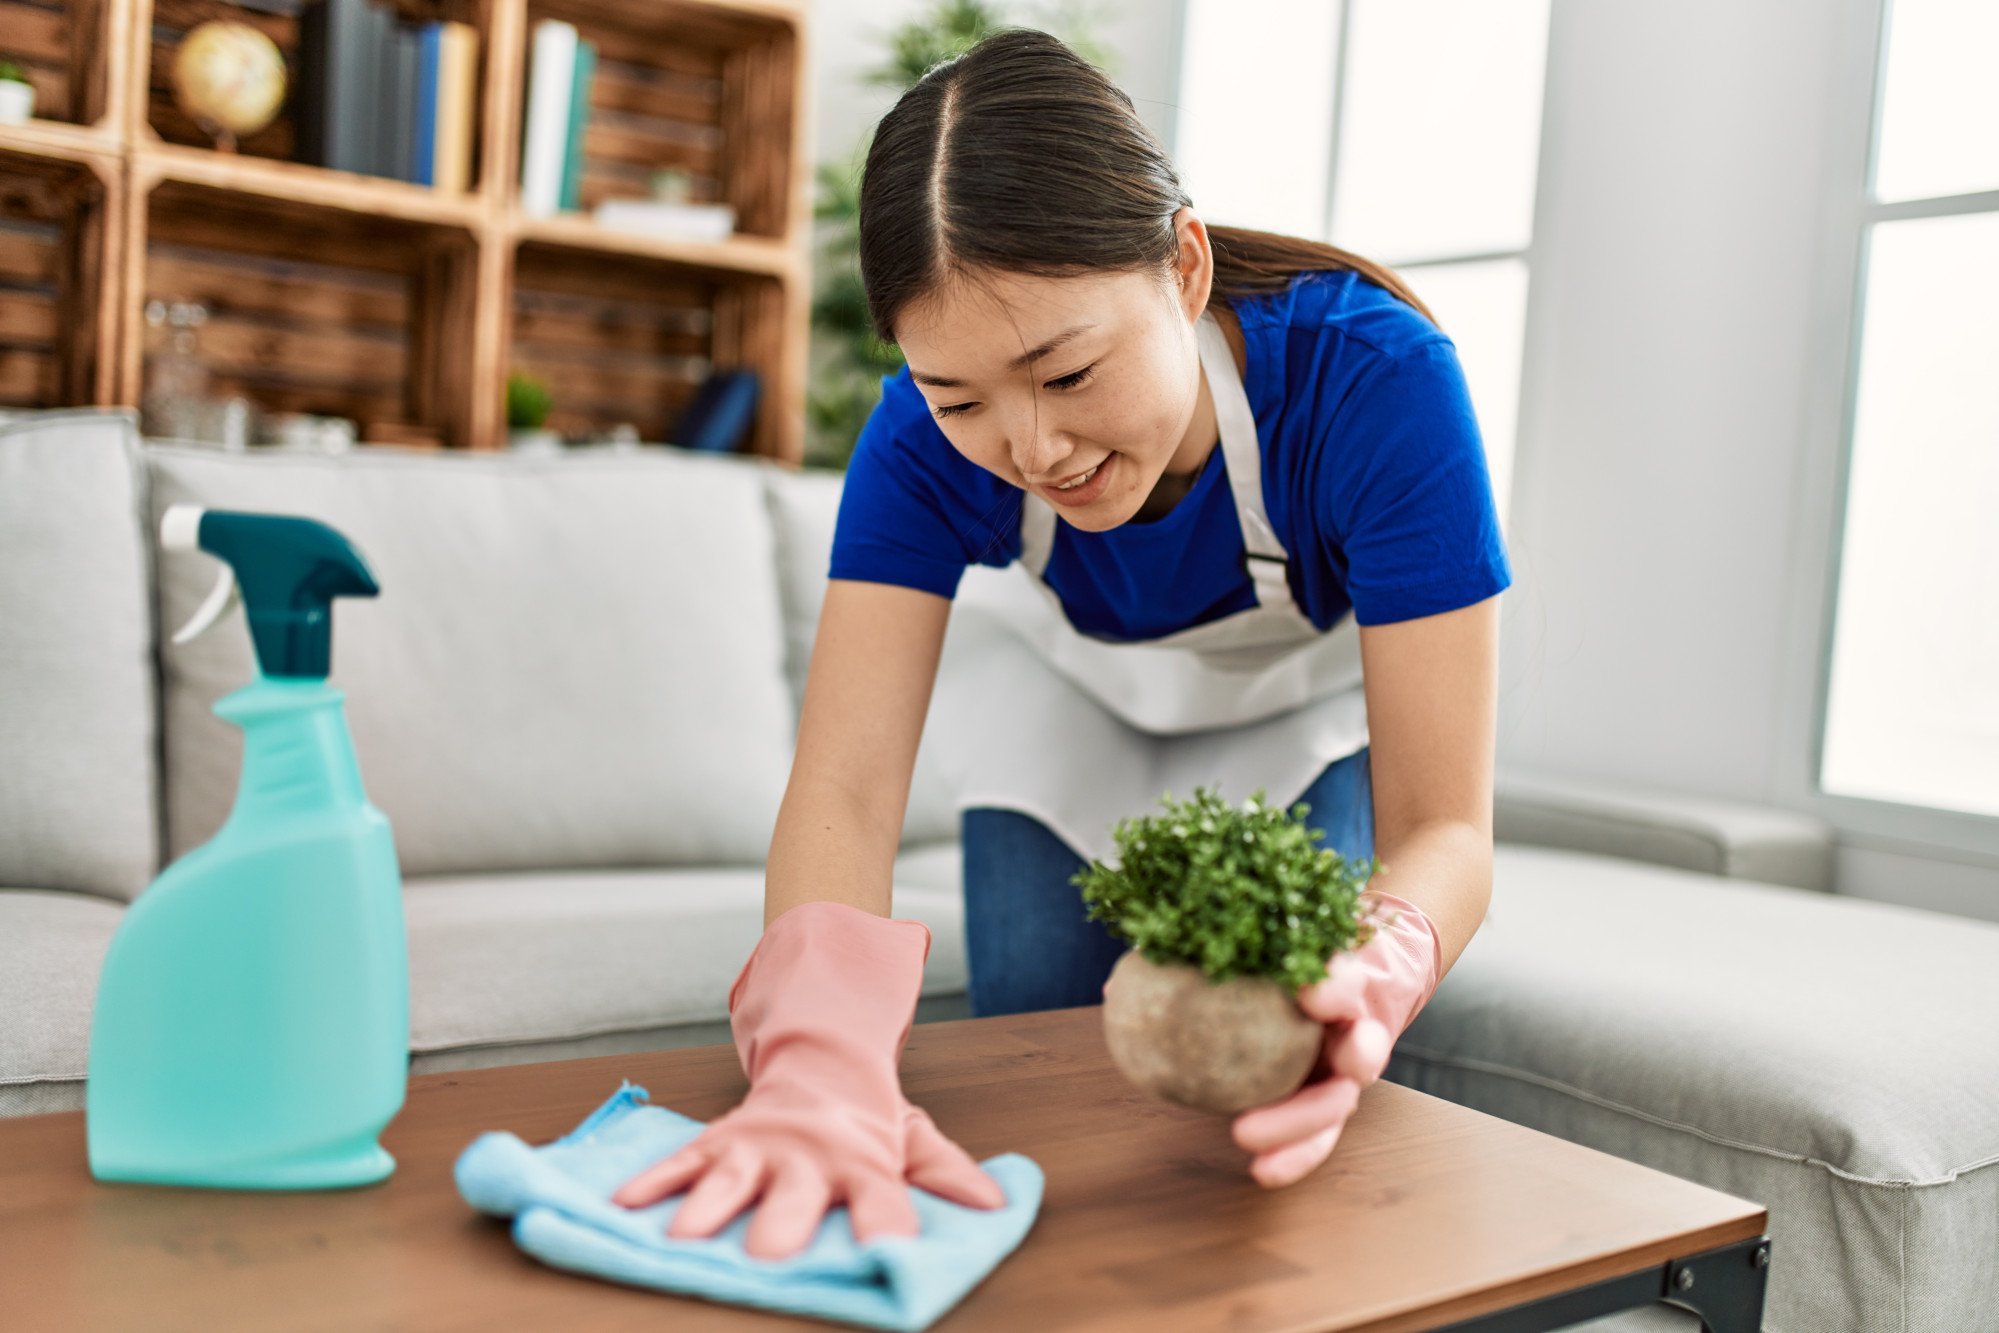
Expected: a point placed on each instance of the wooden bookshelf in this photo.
(390, 302)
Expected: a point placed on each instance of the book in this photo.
(719, 418)
(380, 159)
(338, 85)
(552, 66)
(579, 119)
(457, 101)
(400, 45)
(423, 136)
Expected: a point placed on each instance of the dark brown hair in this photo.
(1021, 157)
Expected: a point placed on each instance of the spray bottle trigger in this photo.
(223, 596)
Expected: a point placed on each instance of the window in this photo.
(1405, 131)
(1912, 699)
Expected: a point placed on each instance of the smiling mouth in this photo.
(1080, 479)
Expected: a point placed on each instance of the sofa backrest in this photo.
(528, 692)
(79, 778)
(575, 661)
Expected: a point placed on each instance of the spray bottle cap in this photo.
(288, 569)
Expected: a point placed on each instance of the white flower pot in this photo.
(17, 102)
(534, 441)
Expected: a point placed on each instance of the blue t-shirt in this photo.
(1374, 477)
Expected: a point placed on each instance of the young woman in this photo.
(1237, 484)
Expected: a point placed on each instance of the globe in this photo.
(230, 78)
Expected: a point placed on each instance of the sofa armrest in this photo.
(1733, 839)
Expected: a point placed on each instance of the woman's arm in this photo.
(867, 692)
(1432, 710)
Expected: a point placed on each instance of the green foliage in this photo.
(528, 401)
(1233, 890)
(10, 70)
(848, 361)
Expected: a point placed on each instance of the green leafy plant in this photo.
(10, 70)
(1233, 890)
(848, 361)
(528, 401)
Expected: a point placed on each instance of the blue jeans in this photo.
(1028, 943)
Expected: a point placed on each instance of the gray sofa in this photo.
(575, 701)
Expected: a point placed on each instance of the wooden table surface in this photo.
(1426, 1212)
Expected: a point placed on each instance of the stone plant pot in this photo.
(1212, 1046)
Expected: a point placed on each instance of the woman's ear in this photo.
(1194, 267)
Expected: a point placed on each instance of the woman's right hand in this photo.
(820, 1013)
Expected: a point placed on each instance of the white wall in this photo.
(1679, 431)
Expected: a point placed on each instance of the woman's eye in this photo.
(1072, 380)
(953, 409)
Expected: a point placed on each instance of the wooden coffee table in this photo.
(1427, 1215)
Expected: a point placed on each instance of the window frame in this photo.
(1838, 329)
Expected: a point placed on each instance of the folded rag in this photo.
(559, 1195)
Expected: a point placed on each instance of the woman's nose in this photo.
(1039, 454)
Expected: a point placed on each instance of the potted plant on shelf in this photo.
(17, 95)
(528, 405)
(1229, 911)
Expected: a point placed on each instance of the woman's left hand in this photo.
(1370, 995)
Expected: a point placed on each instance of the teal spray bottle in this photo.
(251, 1028)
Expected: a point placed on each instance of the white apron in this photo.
(1080, 731)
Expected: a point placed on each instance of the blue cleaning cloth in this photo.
(559, 1195)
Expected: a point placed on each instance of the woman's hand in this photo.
(820, 1014)
(800, 1158)
(1370, 995)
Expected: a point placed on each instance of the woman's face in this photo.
(1038, 379)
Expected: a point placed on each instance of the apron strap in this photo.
(1037, 532)
(1266, 556)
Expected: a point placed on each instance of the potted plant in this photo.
(1229, 911)
(528, 405)
(17, 95)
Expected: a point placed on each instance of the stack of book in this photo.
(383, 97)
(561, 68)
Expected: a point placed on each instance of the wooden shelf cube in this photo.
(718, 102)
(61, 48)
(623, 339)
(172, 20)
(58, 281)
(312, 309)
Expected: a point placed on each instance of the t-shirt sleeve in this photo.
(1412, 507)
(902, 517)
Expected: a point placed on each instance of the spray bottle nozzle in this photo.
(287, 571)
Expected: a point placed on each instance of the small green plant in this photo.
(528, 401)
(1233, 890)
(10, 70)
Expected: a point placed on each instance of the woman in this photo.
(1222, 472)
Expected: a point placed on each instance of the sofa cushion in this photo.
(574, 661)
(494, 959)
(805, 504)
(1830, 1058)
(79, 791)
(52, 946)
(541, 957)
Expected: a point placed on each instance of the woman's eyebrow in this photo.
(1032, 354)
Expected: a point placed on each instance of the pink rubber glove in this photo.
(820, 1013)
(1370, 995)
